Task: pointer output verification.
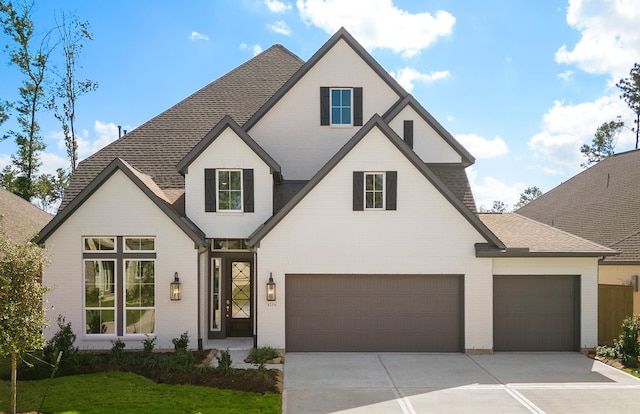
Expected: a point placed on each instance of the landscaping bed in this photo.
(191, 367)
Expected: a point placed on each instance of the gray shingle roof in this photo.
(601, 204)
(156, 147)
(20, 220)
(455, 177)
(527, 237)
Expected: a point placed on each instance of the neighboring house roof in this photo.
(525, 237)
(156, 147)
(600, 204)
(226, 122)
(377, 121)
(20, 220)
(409, 100)
(144, 183)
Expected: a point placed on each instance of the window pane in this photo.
(346, 97)
(335, 116)
(335, 97)
(223, 180)
(235, 200)
(378, 182)
(139, 243)
(235, 180)
(223, 200)
(100, 321)
(99, 243)
(99, 283)
(141, 321)
(140, 282)
(346, 116)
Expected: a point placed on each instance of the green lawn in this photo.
(121, 392)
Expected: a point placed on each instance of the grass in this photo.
(633, 371)
(124, 392)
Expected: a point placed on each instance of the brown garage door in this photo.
(536, 313)
(374, 313)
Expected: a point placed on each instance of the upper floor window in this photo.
(340, 106)
(228, 190)
(375, 190)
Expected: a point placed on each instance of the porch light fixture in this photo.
(174, 288)
(271, 289)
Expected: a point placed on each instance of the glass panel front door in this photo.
(238, 304)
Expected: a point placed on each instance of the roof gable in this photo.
(341, 34)
(226, 122)
(143, 182)
(409, 100)
(377, 122)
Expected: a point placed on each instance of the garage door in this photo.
(536, 313)
(399, 313)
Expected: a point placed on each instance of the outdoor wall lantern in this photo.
(174, 288)
(271, 289)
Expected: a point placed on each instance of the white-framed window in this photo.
(229, 185)
(341, 106)
(374, 190)
(119, 285)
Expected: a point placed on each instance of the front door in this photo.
(238, 302)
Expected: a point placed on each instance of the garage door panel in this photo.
(374, 313)
(536, 313)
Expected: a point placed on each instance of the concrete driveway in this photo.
(455, 383)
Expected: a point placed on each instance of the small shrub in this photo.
(224, 362)
(628, 345)
(62, 341)
(181, 344)
(606, 351)
(148, 345)
(117, 349)
(260, 356)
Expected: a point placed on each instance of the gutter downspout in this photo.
(200, 252)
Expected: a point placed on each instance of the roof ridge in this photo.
(625, 238)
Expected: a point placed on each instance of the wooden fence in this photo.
(615, 302)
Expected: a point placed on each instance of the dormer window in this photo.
(228, 190)
(340, 106)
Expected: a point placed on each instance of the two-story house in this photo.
(313, 206)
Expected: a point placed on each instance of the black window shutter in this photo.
(392, 189)
(357, 106)
(358, 190)
(247, 189)
(325, 105)
(408, 133)
(209, 189)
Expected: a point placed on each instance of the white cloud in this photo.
(378, 23)
(105, 133)
(276, 6)
(280, 27)
(610, 41)
(566, 127)
(481, 147)
(256, 49)
(51, 162)
(198, 36)
(566, 75)
(489, 189)
(407, 76)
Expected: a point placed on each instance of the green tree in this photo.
(22, 313)
(603, 143)
(630, 88)
(67, 89)
(31, 56)
(498, 207)
(49, 189)
(528, 195)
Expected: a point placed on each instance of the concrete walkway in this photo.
(455, 383)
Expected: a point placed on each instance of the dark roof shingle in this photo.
(156, 147)
(19, 219)
(600, 204)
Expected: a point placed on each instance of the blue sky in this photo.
(521, 84)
